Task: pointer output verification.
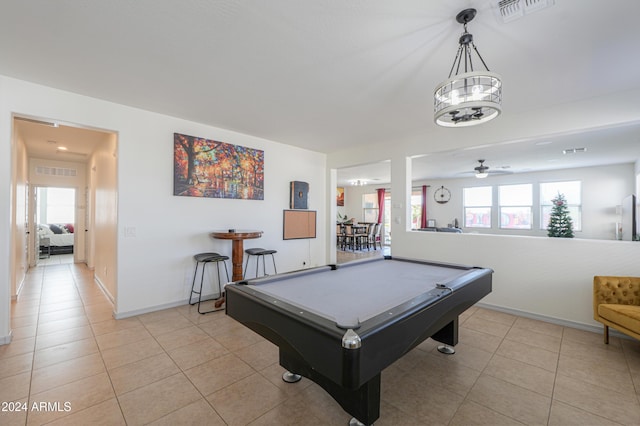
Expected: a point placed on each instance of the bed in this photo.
(60, 238)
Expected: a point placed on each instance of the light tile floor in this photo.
(344, 256)
(71, 363)
(56, 259)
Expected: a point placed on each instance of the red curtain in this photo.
(380, 205)
(423, 218)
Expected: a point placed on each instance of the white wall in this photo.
(170, 230)
(353, 201)
(19, 260)
(603, 188)
(154, 268)
(103, 233)
(548, 278)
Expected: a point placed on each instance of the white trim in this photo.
(104, 289)
(122, 315)
(14, 297)
(572, 324)
(544, 318)
(5, 340)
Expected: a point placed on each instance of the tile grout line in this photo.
(35, 341)
(555, 377)
(493, 354)
(204, 397)
(106, 370)
(45, 268)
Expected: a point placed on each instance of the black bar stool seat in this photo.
(260, 252)
(204, 258)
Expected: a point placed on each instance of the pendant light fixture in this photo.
(469, 97)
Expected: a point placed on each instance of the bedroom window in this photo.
(56, 205)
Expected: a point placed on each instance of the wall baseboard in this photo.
(122, 315)
(5, 340)
(19, 289)
(104, 290)
(572, 324)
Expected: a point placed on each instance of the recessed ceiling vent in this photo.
(574, 150)
(510, 10)
(56, 171)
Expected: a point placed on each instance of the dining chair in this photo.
(349, 241)
(371, 235)
(362, 236)
(375, 236)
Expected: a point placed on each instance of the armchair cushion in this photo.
(616, 303)
(625, 316)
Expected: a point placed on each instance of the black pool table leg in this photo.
(355, 422)
(362, 403)
(449, 336)
(290, 377)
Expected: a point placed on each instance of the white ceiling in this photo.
(61, 143)
(614, 145)
(324, 75)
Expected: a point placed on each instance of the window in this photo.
(370, 207)
(477, 207)
(416, 208)
(572, 191)
(56, 205)
(515, 206)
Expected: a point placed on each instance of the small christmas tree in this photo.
(560, 224)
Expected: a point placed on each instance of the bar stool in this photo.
(204, 258)
(260, 252)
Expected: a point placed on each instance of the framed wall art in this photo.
(213, 169)
(298, 195)
(340, 196)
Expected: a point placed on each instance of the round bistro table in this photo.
(237, 238)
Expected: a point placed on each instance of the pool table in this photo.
(341, 325)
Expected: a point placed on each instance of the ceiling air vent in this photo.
(574, 150)
(510, 10)
(56, 171)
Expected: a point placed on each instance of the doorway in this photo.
(49, 154)
(54, 226)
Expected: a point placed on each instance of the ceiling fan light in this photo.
(482, 175)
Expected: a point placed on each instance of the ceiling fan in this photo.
(481, 171)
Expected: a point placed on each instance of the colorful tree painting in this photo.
(213, 169)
